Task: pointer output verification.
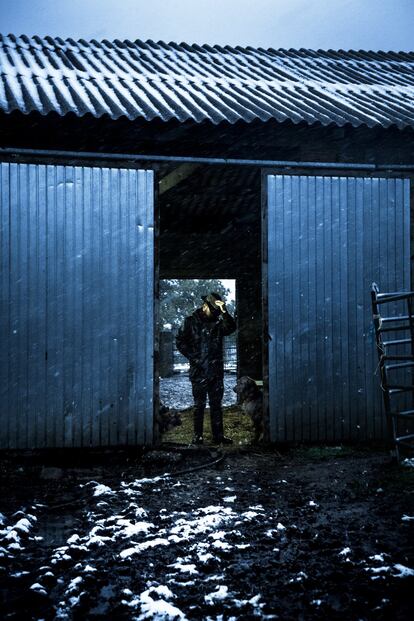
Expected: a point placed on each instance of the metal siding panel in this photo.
(57, 324)
(138, 430)
(52, 373)
(288, 304)
(274, 432)
(142, 303)
(407, 245)
(327, 274)
(21, 284)
(357, 231)
(355, 301)
(311, 302)
(376, 252)
(276, 317)
(335, 331)
(105, 309)
(149, 296)
(133, 308)
(367, 423)
(303, 317)
(319, 292)
(123, 363)
(36, 307)
(370, 357)
(343, 414)
(70, 319)
(294, 422)
(81, 248)
(5, 319)
(87, 293)
(351, 302)
(42, 295)
(77, 319)
(11, 305)
(283, 317)
(113, 337)
(93, 327)
(383, 272)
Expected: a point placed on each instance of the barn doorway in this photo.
(210, 229)
(179, 298)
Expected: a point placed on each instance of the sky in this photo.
(329, 24)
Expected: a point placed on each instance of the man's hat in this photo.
(211, 298)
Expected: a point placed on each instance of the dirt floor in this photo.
(304, 533)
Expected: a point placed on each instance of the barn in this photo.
(125, 162)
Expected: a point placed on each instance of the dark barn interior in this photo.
(210, 227)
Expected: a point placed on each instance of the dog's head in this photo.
(246, 389)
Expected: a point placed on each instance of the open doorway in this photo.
(209, 231)
(179, 298)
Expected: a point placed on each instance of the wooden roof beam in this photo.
(176, 176)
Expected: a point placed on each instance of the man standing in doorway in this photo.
(200, 339)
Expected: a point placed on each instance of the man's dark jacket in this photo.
(200, 340)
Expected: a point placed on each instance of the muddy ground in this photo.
(317, 533)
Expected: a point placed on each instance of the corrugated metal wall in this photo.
(328, 239)
(76, 356)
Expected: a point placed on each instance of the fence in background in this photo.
(171, 361)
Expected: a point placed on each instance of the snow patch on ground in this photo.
(155, 608)
(219, 594)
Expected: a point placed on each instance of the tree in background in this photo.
(179, 298)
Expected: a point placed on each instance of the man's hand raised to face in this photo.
(221, 305)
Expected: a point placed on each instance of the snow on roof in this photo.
(148, 80)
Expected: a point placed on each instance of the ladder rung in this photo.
(398, 389)
(401, 439)
(396, 342)
(399, 318)
(393, 329)
(383, 298)
(399, 365)
(403, 414)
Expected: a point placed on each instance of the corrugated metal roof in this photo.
(191, 82)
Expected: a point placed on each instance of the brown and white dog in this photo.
(250, 398)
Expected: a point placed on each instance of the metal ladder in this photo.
(396, 357)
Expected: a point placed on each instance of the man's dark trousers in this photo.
(214, 389)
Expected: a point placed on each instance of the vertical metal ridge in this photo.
(118, 301)
(5, 318)
(283, 228)
(122, 254)
(18, 330)
(107, 337)
(310, 302)
(80, 188)
(343, 414)
(130, 276)
(96, 249)
(367, 421)
(139, 432)
(150, 288)
(23, 437)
